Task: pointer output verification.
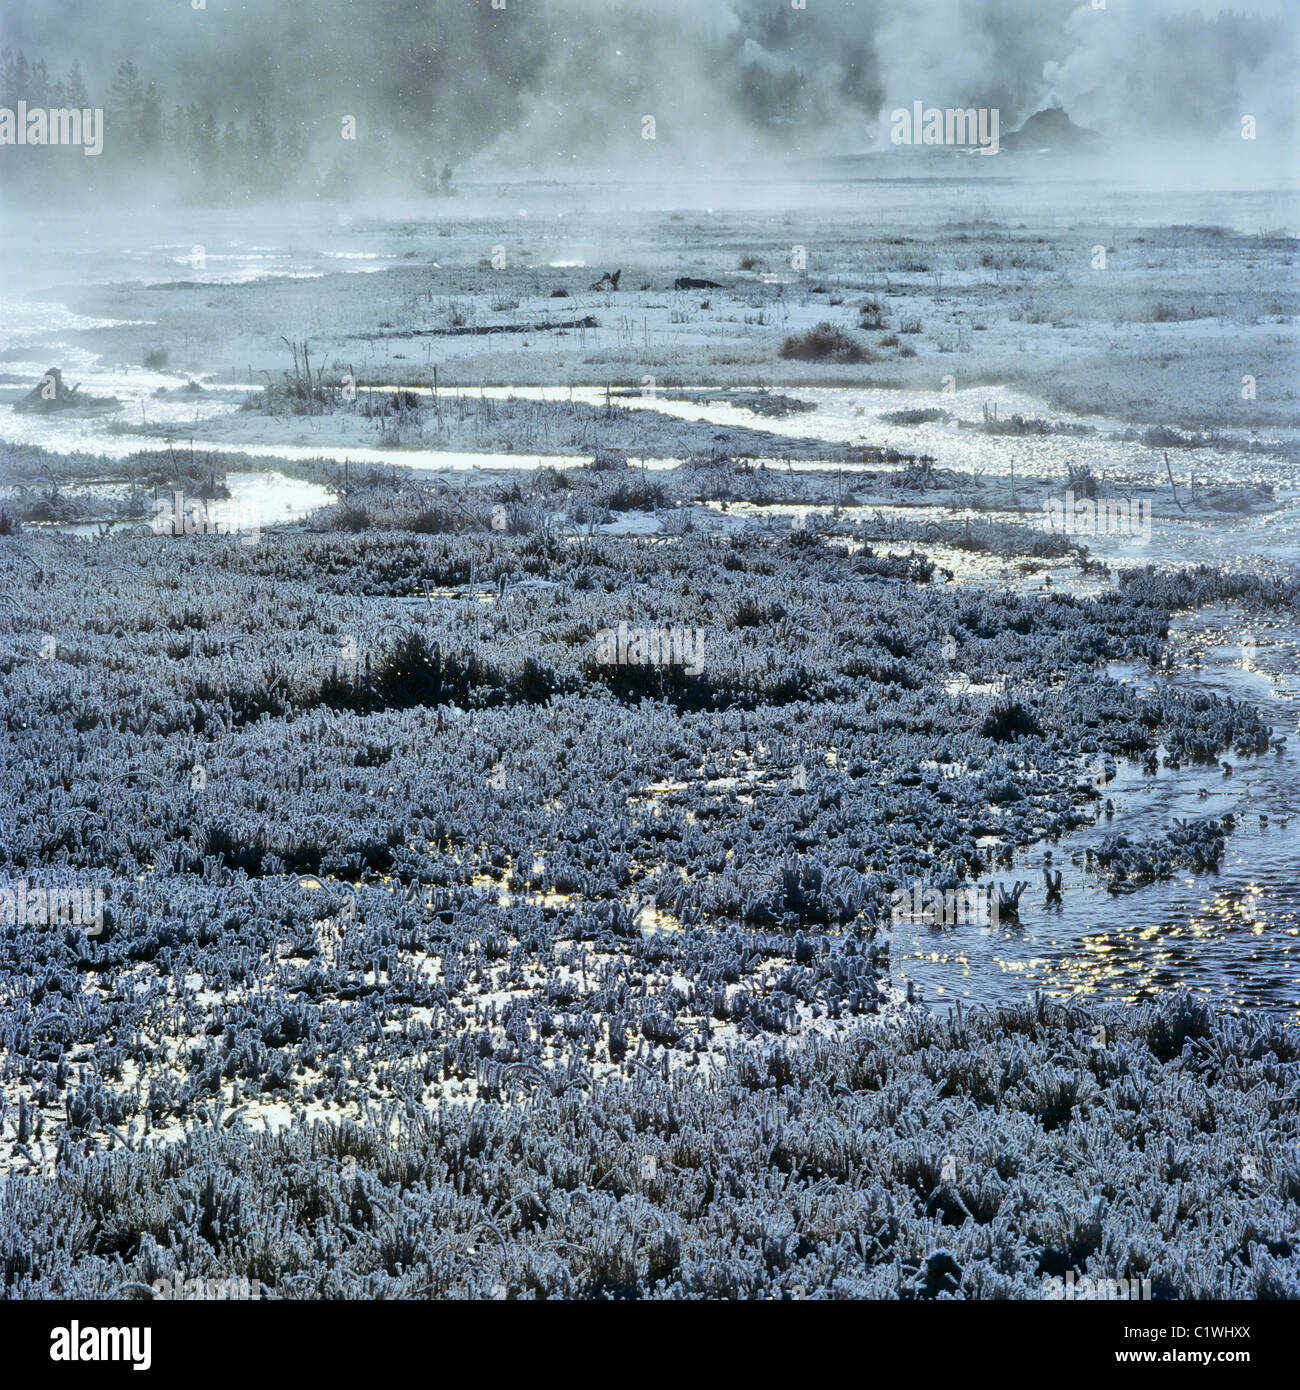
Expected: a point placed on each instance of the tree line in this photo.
(245, 153)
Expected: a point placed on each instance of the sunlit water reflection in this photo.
(1233, 935)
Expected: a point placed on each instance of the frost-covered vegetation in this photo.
(977, 1157)
(400, 418)
(381, 832)
(524, 691)
(444, 956)
(37, 485)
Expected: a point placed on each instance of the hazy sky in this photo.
(542, 82)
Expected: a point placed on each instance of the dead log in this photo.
(482, 330)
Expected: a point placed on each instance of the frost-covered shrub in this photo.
(825, 342)
(380, 832)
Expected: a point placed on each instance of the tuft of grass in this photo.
(929, 415)
(1009, 720)
(826, 342)
(871, 314)
(1169, 311)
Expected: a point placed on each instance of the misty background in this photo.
(246, 99)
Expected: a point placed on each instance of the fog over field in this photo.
(561, 86)
(649, 651)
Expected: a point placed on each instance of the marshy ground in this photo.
(444, 958)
